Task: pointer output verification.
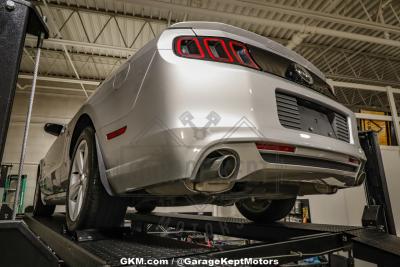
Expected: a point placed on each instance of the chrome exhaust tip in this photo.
(226, 166)
(223, 167)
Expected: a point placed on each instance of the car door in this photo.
(54, 165)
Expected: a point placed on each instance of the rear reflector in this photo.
(275, 147)
(354, 160)
(116, 133)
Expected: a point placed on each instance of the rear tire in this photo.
(88, 205)
(40, 209)
(145, 208)
(265, 211)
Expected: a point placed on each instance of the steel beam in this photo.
(58, 79)
(363, 80)
(74, 69)
(296, 40)
(65, 48)
(95, 83)
(71, 43)
(96, 10)
(321, 16)
(363, 86)
(393, 110)
(285, 9)
(268, 22)
(374, 117)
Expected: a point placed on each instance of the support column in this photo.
(393, 110)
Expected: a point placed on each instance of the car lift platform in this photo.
(286, 242)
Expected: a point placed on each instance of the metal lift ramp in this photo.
(286, 242)
(290, 241)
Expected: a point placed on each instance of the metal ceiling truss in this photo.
(57, 36)
(356, 62)
(279, 8)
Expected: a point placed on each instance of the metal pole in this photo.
(393, 110)
(26, 131)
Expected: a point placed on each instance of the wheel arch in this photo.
(83, 121)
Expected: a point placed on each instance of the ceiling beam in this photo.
(71, 63)
(128, 51)
(321, 16)
(25, 76)
(31, 43)
(267, 6)
(362, 86)
(366, 116)
(331, 82)
(77, 44)
(363, 80)
(267, 22)
(59, 50)
(341, 50)
(296, 40)
(89, 9)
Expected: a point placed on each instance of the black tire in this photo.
(39, 208)
(99, 210)
(145, 208)
(265, 211)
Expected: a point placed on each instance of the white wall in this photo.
(47, 108)
(391, 162)
(346, 206)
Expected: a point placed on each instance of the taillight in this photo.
(189, 47)
(214, 49)
(242, 54)
(217, 49)
(275, 147)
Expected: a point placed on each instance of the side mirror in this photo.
(53, 128)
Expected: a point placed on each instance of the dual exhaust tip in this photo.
(219, 164)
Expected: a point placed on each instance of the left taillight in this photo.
(214, 49)
(217, 49)
(189, 47)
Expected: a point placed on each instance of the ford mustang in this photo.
(204, 113)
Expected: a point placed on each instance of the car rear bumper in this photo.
(187, 108)
(157, 162)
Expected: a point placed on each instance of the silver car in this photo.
(204, 113)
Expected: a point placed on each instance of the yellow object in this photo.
(305, 215)
(380, 127)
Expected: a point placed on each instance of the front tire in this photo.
(40, 209)
(88, 205)
(265, 211)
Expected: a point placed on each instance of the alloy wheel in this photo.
(78, 180)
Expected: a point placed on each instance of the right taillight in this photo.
(214, 49)
(242, 54)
